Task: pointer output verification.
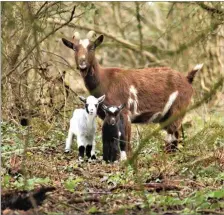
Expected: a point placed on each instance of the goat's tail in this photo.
(192, 73)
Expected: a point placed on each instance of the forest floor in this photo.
(190, 181)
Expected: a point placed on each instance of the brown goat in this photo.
(150, 94)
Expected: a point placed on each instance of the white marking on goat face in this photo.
(112, 109)
(92, 105)
(133, 99)
(84, 43)
(119, 134)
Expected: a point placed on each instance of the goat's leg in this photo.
(90, 150)
(81, 147)
(125, 129)
(68, 141)
(115, 151)
(106, 148)
(173, 136)
(122, 142)
(93, 155)
(125, 140)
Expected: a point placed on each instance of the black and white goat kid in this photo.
(113, 132)
(83, 125)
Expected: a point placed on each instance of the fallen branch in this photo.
(149, 186)
(94, 198)
(208, 211)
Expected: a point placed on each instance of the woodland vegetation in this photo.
(40, 84)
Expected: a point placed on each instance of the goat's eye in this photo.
(96, 105)
(91, 48)
(75, 48)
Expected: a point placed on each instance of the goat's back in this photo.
(146, 89)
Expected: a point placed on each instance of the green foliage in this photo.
(21, 183)
(70, 184)
(93, 210)
(196, 201)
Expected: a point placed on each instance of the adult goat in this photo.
(145, 91)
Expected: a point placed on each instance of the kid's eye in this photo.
(91, 48)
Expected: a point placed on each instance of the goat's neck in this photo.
(90, 119)
(92, 79)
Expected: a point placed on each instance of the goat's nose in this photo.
(82, 62)
(112, 121)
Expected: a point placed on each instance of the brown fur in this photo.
(154, 86)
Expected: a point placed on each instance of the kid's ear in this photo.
(67, 43)
(83, 99)
(121, 107)
(104, 107)
(101, 99)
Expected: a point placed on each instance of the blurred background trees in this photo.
(39, 76)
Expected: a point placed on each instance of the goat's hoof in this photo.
(67, 151)
(93, 157)
(123, 156)
(80, 159)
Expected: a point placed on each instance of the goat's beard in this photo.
(84, 72)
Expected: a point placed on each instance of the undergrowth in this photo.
(196, 169)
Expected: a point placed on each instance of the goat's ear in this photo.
(104, 107)
(67, 43)
(121, 107)
(101, 99)
(98, 41)
(83, 99)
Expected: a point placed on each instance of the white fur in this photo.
(170, 102)
(123, 156)
(84, 43)
(167, 107)
(133, 93)
(170, 138)
(83, 125)
(113, 109)
(198, 66)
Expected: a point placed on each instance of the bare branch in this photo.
(209, 9)
(125, 43)
(40, 41)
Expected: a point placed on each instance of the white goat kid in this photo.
(83, 125)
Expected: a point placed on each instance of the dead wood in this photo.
(148, 186)
(92, 198)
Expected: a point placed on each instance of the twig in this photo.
(171, 10)
(71, 206)
(209, 9)
(199, 160)
(209, 211)
(126, 43)
(149, 186)
(41, 7)
(22, 150)
(94, 198)
(31, 50)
